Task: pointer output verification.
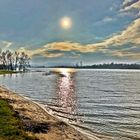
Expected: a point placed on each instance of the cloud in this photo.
(130, 5)
(113, 7)
(130, 8)
(52, 55)
(127, 2)
(135, 5)
(108, 19)
(130, 35)
(41, 51)
(126, 54)
(5, 44)
(70, 46)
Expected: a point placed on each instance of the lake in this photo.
(105, 103)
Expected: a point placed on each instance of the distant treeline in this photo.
(18, 61)
(104, 66)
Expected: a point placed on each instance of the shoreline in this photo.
(37, 120)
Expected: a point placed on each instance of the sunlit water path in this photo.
(103, 102)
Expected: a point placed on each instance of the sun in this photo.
(66, 22)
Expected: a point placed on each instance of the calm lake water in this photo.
(105, 103)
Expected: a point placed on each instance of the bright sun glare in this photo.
(66, 23)
(64, 71)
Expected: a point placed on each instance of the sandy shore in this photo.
(37, 121)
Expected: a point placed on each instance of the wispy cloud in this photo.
(108, 19)
(127, 54)
(70, 46)
(129, 35)
(128, 2)
(41, 51)
(5, 44)
(130, 5)
(51, 55)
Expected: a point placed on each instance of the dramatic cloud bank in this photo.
(130, 35)
(113, 45)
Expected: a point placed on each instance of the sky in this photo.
(60, 32)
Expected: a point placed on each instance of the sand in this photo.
(37, 121)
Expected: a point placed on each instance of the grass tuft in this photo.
(7, 72)
(10, 124)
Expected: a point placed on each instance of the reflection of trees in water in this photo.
(10, 75)
(66, 96)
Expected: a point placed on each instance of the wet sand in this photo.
(40, 123)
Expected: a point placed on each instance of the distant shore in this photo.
(37, 121)
(97, 66)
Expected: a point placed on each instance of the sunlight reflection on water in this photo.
(66, 94)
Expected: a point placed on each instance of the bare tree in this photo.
(4, 60)
(14, 60)
(23, 61)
